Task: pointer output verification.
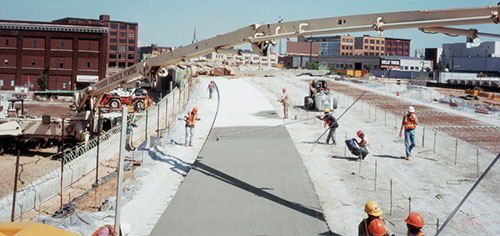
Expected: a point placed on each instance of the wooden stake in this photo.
(390, 213)
(437, 225)
(375, 112)
(423, 137)
(375, 175)
(434, 148)
(13, 215)
(456, 150)
(409, 205)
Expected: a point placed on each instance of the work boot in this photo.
(186, 144)
(190, 145)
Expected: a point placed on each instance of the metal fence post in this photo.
(98, 142)
(13, 216)
(146, 129)
(62, 163)
(123, 137)
(158, 121)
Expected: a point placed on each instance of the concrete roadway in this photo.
(246, 184)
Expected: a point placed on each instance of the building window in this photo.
(64, 85)
(1, 82)
(121, 48)
(372, 41)
(112, 64)
(131, 41)
(112, 40)
(89, 46)
(112, 33)
(121, 56)
(113, 26)
(131, 27)
(412, 68)
(382, 42)
(131, 48)
(382, 48)
(6, 61)
(34, 43)
(121, 65)
(112, 56)
(7, 42)
(123, 41)
(62, 44)
(130, 64)
(12, 83)
(88, 64)
(123, 34)
(131, 35)
(371, 47)
(378, 41)
(61, 64)
(123, 27)
(33, 63)
(377, 48)
(112, 47)
(366, 40)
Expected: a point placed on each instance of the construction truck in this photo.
(81, 123)
(320, 97)
(137, 98)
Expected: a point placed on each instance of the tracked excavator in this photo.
(81, 124)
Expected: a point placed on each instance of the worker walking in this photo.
(190, 119)
(415, 222)
(374, 212)
(363, 147)
(284, 100)
(409, 124)
(211, 88)
(332, 124)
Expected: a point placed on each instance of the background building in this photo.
(397, 47)
(152, 50)
(247, 57)
(475, 57)
(333, 45)
(122, 40)
(369, 46)
(69, 55)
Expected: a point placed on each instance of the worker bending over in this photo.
(363, 146)
(190, 119)
(285, 101)
(332, 124)
(374, 212)
(409, 124)
(415, 222)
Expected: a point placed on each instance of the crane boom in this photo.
(261, 36)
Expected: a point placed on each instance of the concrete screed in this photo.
(247, 184)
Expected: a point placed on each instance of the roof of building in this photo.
(398, 39)
(48, 26)
(94, 20)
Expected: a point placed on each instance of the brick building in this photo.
(122, 39)
(333, 45)
(69, 55)
(152, 50)
(369, 46)
(397, 47)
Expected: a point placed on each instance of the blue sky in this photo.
(171, 23)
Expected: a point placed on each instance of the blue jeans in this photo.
(331, 135)
(409, 140)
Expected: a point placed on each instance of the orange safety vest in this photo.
(191, 119)
(211, 85)
(410, 123)
(420, 233)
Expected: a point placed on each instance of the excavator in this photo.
(81, 124)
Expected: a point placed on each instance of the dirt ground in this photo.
(461, 92)
(54, 109)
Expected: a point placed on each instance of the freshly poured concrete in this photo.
(248, 184)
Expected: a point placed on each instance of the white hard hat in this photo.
(411, 109)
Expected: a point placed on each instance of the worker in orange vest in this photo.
(284, 100)
(211, 88)
(409, 124)
(415, 222)
(374, 212)
(107, 230)
(377, 228)
(190, 119)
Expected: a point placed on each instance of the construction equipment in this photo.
(261, 37)
(115, 99)
(320, 97)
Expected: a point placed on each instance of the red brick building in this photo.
(122, 39)
(69, 55)
(397, 47)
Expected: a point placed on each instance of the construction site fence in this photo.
(43, 182)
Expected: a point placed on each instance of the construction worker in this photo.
(107, 230)
(377, 228)
(211, 88)
(415, 222)
(409, 124)
(363, 147)
(332, 125)
(284, 100)
(190, 119)
(374, 212)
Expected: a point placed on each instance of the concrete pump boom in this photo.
(262, 36)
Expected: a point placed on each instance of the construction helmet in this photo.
(195, 110)
(415, 219)
(327, 110)
(411, 109)
(359, 133)
(377, 227)
(373, 209)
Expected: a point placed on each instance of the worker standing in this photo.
(211, 88)
(409, 124)
(190, 119)
(374, 212)
(415, 222)
(377, 228)
(284, 100)
(332, 124)
(363, 147)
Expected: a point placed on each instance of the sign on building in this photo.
(87, 78)
(390, 63)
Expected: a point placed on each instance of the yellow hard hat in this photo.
(327, 110)
(372, 208)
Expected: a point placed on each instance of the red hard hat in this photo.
(195, 110)
(377, 227)
(415, 219)
(359, 133)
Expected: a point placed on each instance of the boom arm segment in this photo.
(262, 36)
